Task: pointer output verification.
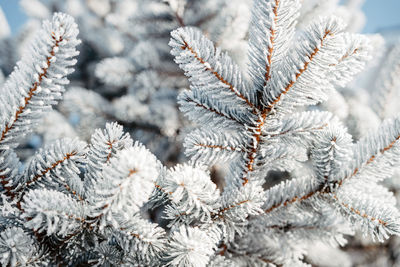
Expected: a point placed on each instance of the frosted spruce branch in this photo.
(295, 179)
(38, 80)
(254, 124)
(240, 110)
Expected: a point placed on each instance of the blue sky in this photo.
(380, 14)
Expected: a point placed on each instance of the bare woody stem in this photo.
(220, 213)
(358, 212)
(45, 171)
(212, 110)
(227, 148)
(271, 48)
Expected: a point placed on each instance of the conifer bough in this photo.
(111, 202)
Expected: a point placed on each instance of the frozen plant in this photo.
(108, 201)
(255, 124)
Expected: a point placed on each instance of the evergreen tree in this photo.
(272, 177)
